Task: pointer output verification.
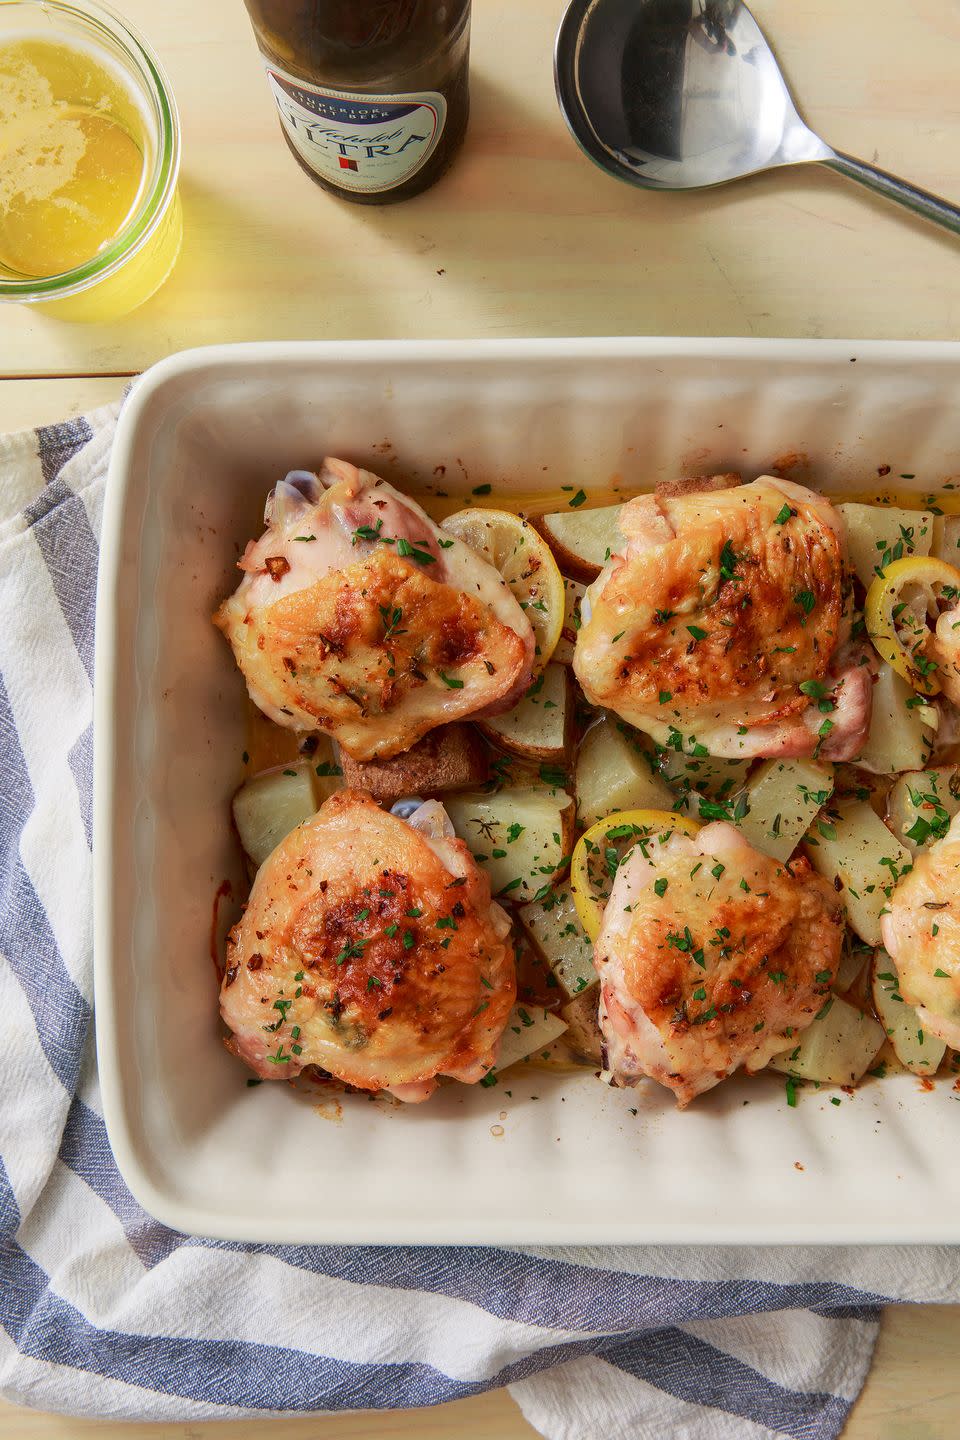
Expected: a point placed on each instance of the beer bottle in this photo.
(373, 95)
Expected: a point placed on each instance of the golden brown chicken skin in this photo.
(724, 621)
(357, 616)
(711, 956)
(370, 947)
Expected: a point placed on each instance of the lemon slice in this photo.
(897, 608)
(601, 848)
(525, 560)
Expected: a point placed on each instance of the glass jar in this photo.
(80, 43)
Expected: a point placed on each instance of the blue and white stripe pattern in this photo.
(104, 1312)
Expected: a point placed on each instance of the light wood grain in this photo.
(27, 403)
(913, 1393)
(525, 236)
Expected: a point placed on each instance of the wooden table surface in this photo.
(526, 237)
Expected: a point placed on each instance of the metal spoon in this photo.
(678, 94)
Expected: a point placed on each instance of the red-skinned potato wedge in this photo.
(582, 540)
(452, 757)
(539, 726)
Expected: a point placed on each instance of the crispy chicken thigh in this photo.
(720, 970)
(921, 932)
(357, 616)
(726, 622)
(370, 947)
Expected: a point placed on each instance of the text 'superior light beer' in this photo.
(373, 95)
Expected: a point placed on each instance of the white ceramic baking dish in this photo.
(541, 1158)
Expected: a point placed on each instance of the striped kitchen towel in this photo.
(105, 1312)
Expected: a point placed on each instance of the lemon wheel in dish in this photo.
(525, 560)
(900, 606)
(600, 849)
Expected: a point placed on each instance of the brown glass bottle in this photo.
(373, 95)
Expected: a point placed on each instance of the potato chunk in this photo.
(538, 725)
(614, 772)
(878, 534)
(853, 848)
(554, 926)
(784, 796)
(837, 1049)
(522, 836)
(898, 738)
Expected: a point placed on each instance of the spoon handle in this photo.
(921, 202)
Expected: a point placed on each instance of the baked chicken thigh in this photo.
(711, 956)
(726, 622)
(357, 616)
(370, 947)
(921, 932)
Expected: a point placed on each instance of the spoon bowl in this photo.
(683, 94)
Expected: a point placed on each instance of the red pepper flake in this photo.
(278, 566)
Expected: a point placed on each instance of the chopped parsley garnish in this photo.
(728, 561)
(415, 551)
(391, 621)
(723, 810)
(697, 632)
(353, 950)
(450, 681)
(577, 499)
(367, 532)
(481, 490)
(806, 600)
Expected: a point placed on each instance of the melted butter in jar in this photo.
(71, 157)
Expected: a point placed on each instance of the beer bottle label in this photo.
(365, 143)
